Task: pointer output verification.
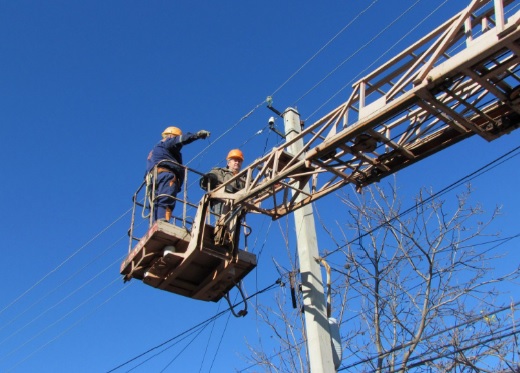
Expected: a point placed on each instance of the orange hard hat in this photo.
(235, 153)
(171, 131)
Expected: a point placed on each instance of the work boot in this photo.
(168, 214)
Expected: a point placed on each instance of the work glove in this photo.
(210, 180)
(202, 134)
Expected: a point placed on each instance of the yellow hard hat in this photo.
(235, 153)
(171, 131)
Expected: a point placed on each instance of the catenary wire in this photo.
(74, 324)
(324, 47)
(419, 285)
(241, 119)
(473, 175)
(495, 336)
(57, 321)
(397, 348)
(296, 73)
(498, 335)
(64, 262)
(352, 55)
(40, 314)
(441, 332)
(358, 76)
(53, 290)
(219, 342)
(487, 167)
(267, 288)
(497, 310)
(62, 283)
(184, 337)
(479, 172)
(206, 149)
(185, 347)
(196, 330)
(496, 162)
(203, 151)
(208, 342)
(499, 242)
(69, 295)
(29, 289)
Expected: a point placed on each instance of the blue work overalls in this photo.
(169, 175)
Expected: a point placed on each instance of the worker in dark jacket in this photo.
(167, 155)
(219, 175)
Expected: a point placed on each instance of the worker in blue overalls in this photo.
(166, 154)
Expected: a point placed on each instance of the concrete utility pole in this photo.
(316, 323)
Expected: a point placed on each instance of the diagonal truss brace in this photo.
(459, 80)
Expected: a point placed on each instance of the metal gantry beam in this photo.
(459, 80)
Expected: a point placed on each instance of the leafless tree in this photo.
(414, 290)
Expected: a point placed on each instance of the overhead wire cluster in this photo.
(194, 328)
(116, 244)
(448, 349)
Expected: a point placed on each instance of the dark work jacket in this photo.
(169, 149)
(221, 175)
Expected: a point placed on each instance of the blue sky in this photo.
(86, 88)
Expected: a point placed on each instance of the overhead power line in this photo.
(34, 351)
(325, 46)
(277, 282)
(64, 262)
(405, 345)
(221, 136)
(487, 167)
(352, 55)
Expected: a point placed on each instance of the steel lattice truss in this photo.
(460, 80)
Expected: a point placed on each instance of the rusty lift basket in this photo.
(183, 257)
